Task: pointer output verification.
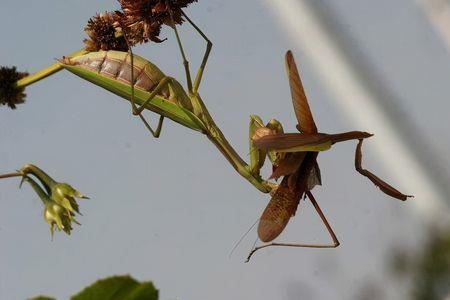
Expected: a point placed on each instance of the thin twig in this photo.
(9, 175)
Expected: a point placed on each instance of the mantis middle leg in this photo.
(335, 243)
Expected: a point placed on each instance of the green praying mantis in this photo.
(293, 156)
(141, 82)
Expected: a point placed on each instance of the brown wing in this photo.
(284, 202)
(278, 211)
(301, 108)
(288, 140)
(314, 177)
(281, 141)
(288, 165)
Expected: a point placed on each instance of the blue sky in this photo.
(171, 209)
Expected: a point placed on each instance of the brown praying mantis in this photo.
(293, 155)
(296, 159)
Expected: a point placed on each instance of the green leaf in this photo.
(118, 288)
(42, 298)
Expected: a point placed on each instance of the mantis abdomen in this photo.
(277, 213)
(286, 198)
(116, 65)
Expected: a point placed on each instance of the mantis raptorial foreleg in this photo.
(335, 243)
(138, 111)
(257, 156)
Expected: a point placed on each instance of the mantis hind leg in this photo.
(209, 44)
(156, 133)
(185, 61)
(198, 78)
(335, 243)
(138, 111)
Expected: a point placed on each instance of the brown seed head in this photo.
(144, 18)
(9, 94)
(105, 33)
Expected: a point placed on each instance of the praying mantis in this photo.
(141, 82)
(298, 165)
(293, 155)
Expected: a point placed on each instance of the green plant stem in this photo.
(41, 193)
(218, 139)
(40, 174)
(50, 70)
(9, 175)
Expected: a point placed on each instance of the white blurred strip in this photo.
(438, 14)
(300, 22)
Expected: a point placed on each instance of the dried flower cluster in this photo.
(105, 33)
(140, 20)
(9, 94)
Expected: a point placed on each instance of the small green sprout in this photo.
(59, 198)
(54, 214)
(64, 194)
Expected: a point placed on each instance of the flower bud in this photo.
(54, 213)
(57, 215)
(64, 194)
(61, 193)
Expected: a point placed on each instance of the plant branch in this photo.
(50, 70)
(10, 175)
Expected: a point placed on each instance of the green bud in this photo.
(55, 214)
(61, 193)
(43, 177)
(64, 194)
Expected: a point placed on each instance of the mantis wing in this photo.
(301, 107)
(288, 165)
(294, 142)
(314, 178)
(300, 142)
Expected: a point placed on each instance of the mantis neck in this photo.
(216, 136)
